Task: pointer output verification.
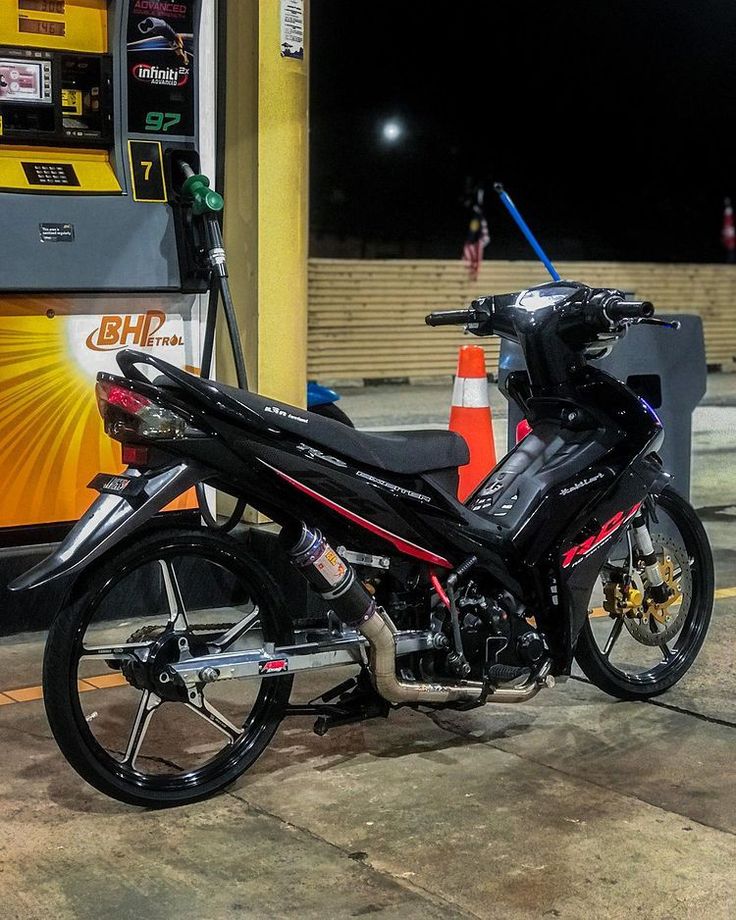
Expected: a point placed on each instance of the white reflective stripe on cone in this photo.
(470, 393)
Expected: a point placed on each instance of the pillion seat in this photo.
(403, 452)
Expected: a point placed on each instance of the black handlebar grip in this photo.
(450, 318)
(629, 309)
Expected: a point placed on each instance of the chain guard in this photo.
(146, 633)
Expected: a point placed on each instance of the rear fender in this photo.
(108, 521)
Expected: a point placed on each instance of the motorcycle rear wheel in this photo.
(596, 645)
(105, 723)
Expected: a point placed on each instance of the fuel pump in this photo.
(101, 102)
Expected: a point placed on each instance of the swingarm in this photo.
(326, 651)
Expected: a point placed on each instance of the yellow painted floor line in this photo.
(88, 685)
(26, 695)
(116, 679)
(725, 592)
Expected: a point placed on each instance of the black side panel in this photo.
(534, 474)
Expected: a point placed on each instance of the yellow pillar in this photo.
(266, 186)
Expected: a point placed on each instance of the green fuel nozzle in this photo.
(202, 199)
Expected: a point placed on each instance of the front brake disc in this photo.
(658, 624)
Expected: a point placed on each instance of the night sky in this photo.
(610, 124)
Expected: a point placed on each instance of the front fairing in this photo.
(563, 483)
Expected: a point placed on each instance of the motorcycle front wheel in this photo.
(114, 711)
(629, 647)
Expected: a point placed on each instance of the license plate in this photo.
(110, 484)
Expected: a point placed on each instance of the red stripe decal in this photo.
(404, 546)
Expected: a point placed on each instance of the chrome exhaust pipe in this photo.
(379, 631)
(335, 580)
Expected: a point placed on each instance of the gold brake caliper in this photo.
(659, 611)
(622, 600)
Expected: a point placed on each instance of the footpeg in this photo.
(506, 673)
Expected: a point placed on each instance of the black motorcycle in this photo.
(574, 546)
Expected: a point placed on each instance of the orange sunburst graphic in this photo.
(53, 441)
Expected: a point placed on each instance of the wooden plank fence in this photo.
(366, 318)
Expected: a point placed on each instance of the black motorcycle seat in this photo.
(404, 452)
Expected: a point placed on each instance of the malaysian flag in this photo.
(728, 233)
(477, 239)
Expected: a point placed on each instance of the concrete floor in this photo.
(571, 806)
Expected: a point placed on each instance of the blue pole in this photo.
(523, 226)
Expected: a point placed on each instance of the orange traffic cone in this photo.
(470, 417)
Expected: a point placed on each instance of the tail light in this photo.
(130, 416)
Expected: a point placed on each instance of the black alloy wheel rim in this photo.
(252, 727)
(688, 636)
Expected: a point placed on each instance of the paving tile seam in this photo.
(680, 710)
(436, 899)
(587, 781)
(24, 731)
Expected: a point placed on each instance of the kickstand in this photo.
(356, 701)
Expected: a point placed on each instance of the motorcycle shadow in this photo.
(406, 733)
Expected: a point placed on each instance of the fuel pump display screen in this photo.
(56, 98)
(43, 6)
(41, 27)
(23, 81)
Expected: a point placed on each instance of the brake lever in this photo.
(666, 324)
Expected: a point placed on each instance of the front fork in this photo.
(659, 592)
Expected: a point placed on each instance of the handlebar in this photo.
(580, 318)
(450, 318)
(629, 309)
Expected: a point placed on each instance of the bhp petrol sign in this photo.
(145, 330)
(93, 341)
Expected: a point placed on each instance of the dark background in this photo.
(609, 124)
